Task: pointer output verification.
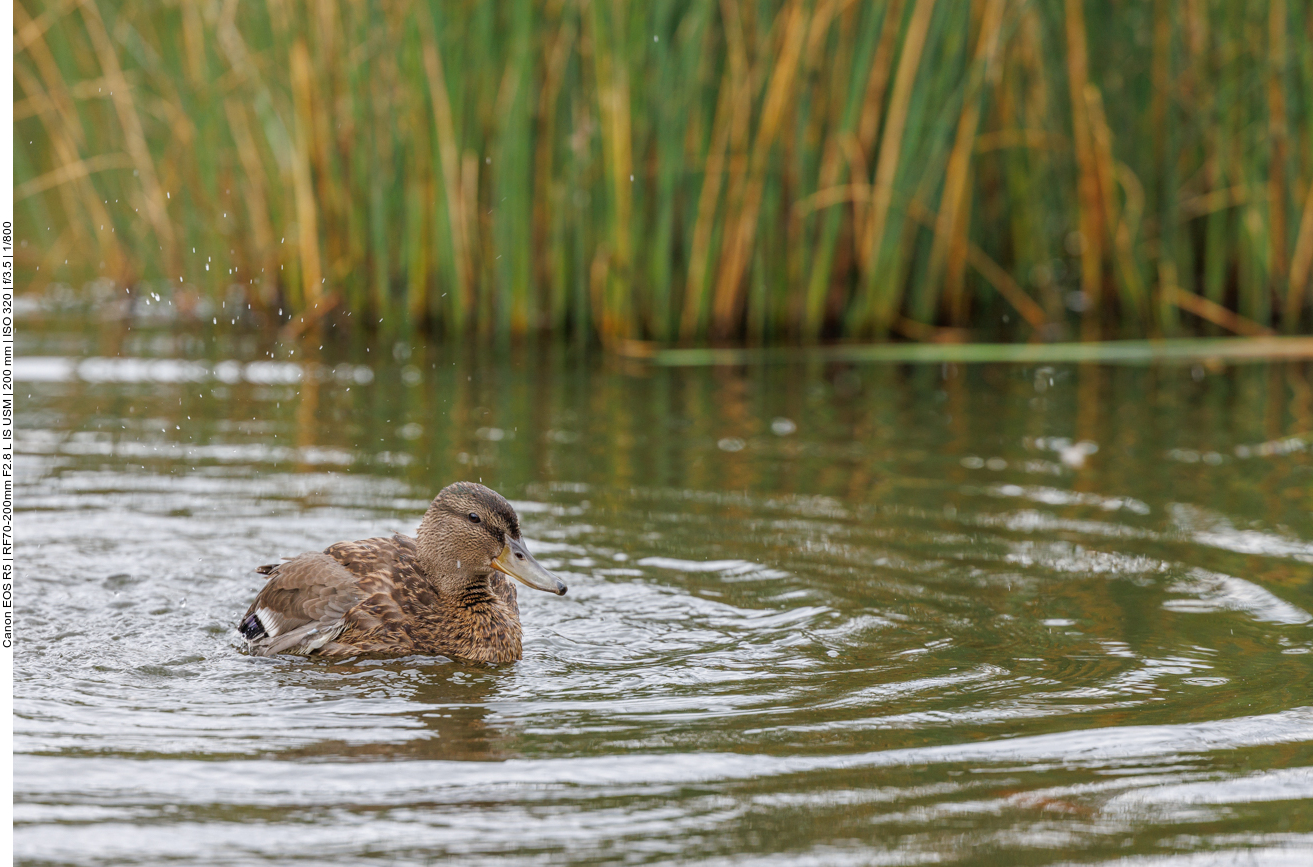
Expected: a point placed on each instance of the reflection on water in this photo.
(829, 614)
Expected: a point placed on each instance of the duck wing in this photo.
(305, 606)
(345, 601)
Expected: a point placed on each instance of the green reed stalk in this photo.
(709, 170)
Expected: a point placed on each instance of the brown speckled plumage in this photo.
(444, 593)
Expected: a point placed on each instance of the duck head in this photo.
(470, 532)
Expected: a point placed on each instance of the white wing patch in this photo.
(270, 620)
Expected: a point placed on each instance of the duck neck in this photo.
(445, 573)
(453, 582)
(474, 592)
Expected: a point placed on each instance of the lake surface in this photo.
(818, 614)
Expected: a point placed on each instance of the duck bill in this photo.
(516, 561)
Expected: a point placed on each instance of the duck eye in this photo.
(474, 518)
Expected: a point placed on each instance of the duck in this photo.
(445, 592)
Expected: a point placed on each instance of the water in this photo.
(817, 614)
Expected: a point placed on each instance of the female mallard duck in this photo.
(442, 593)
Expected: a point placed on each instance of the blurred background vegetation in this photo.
(683, 171)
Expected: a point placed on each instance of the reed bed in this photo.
(704, 171)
